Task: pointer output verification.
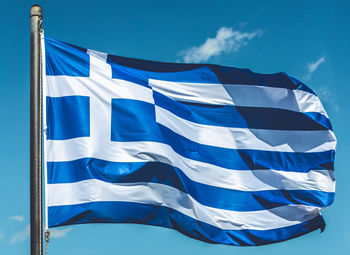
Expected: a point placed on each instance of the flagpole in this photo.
(36, 234)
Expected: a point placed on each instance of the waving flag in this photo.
(221, 154)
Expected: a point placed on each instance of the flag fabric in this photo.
(220, 154)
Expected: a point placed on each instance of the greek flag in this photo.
(220, 154)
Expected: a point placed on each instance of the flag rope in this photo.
(47, 239)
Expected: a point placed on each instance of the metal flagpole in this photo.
(36, 233)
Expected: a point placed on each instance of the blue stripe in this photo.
(65, 59)
(244, 117)
(141, 77)
(156, 172)
(201, 73)
(126, 212)
(128, 125)
(300, 85)
(319, 118)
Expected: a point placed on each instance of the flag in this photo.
(220, 154)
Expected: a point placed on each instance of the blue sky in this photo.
(307, 39)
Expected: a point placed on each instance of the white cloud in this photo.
(313, 66)
(325, 93)
(20, 236)
(58, 233)
(327, 97)
(2, 236)
(19, 218)
(226, 41)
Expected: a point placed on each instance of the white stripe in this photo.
(240, 95)
(244, 138)
(98, 66)
(308, 102)
(59, 86)
(204, 93)
(246, 180)
(162, 195)
(97, 54)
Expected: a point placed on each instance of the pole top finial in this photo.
(36, 10)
